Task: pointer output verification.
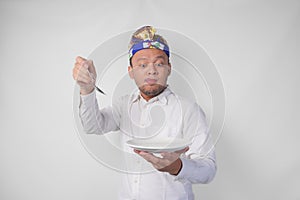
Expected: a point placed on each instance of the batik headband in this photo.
(149, 44)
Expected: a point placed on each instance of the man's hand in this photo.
(85, 75)
(170, 161)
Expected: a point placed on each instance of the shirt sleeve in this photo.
(95, 120)
(199, 163)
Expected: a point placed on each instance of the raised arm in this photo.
(93, 119)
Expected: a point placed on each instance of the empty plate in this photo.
(156, 145)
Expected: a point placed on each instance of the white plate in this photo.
(157, 145)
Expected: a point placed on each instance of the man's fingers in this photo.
(183, 150)
(79, 72)
(84, 79)
(91, 67)
(149, 157)
(137, 151)
(84, 65)
(81, 75)
(80, 59)
(90, 62)
(176, 154)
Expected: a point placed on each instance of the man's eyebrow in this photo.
(143, 58)
(163, 57)
(155, 58)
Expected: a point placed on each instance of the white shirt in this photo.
(166, 115)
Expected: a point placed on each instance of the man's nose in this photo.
(152, 70)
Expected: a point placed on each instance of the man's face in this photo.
(150, 70)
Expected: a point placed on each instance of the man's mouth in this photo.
(151, 81)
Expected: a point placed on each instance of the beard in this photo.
(152, 90)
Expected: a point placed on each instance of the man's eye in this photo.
(143, 65)
(159, 65)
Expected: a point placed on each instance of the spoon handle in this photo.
(97, 88)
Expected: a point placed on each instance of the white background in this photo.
(254, 44)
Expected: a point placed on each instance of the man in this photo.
(173, 172)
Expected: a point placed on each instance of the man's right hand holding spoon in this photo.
(85, 75)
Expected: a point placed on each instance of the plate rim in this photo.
(184, 144)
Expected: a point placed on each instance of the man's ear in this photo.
(169, 69)
(130, 72)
